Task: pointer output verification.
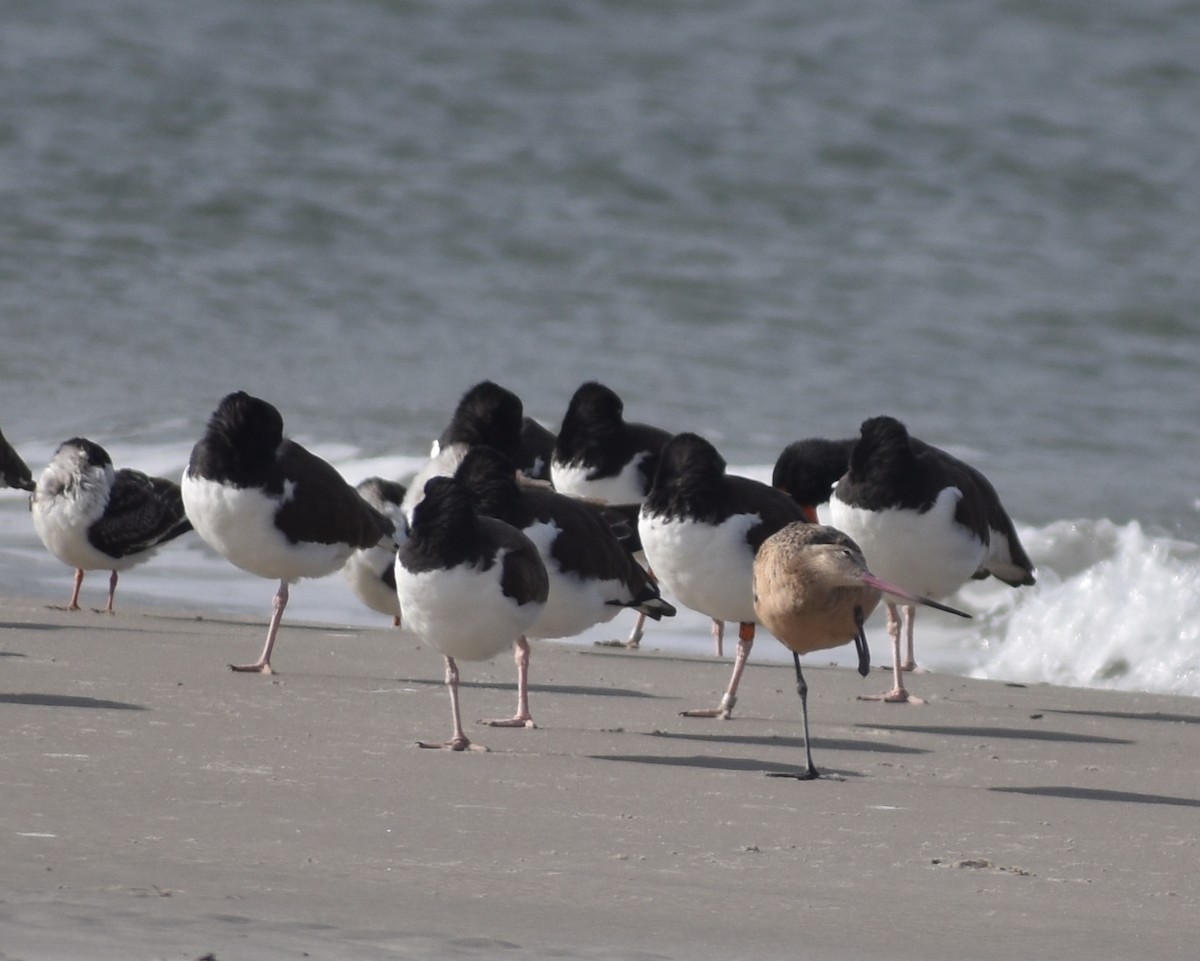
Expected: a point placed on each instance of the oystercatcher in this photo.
(603, 457)
(271, 507)
(371, 571)
(924, 520)
(592, 575)
(468, 585)
(93, 517)
(700, 528)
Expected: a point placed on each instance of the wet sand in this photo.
(156, 806)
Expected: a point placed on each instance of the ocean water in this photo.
(759, 222)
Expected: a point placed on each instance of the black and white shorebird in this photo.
(925, 520)
(13, 471)
(602, 457)
(485, 414)
(371, 571)
(592, 575)
(808, 469)
(700, 528)
(92, 517)
(468, 585)
(271, 507)
(813, 591)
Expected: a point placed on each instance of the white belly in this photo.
(574, 603)
(462, 611)
(930, 553)
(62, 522)
(239, 524)
(364, 571)
(709, 569)
(624, 488)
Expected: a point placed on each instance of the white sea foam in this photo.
(1115, 607)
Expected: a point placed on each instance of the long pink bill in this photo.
(888, 588)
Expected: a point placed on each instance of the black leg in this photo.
(811, 772)
(860, 643)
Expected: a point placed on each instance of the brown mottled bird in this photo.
(813, 591)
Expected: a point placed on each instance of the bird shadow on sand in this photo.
(67, 700)
(712, 763)
(253, 623)
(796, 743)
(1019, 734)
(1099, 794)
(1134, 716)
(534, 688)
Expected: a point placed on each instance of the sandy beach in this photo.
(156, 806)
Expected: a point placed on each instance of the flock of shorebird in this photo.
(512, 532)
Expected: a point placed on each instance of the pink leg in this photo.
(897, 695)
(910, 615)
(74, 602)
(522, 718)
(112, 593)
(263, 664)
(458, 740)
(634, 641)
(718, 635)
(725, 709)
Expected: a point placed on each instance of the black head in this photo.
(883, 445)
(807, 469)
(595, 402)
(240, 441)
(691, 482)
(491, 479)
(688, 456)
(883, 428)
(445, 528)
(247, 421)
(446, 504)
(487, 414)
(380, 493)
(88, 453)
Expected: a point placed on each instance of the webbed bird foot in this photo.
(517, 720)
(454, 744)
(897, 695)
(724, 711)
(260, 667)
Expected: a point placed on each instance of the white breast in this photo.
(710, 569)
(462, 611)
(364, 571)
(930, 553)
(239, 524)
(624, 488)
(62, 513)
